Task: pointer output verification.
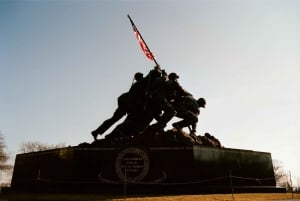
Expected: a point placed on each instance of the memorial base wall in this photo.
(137, 169)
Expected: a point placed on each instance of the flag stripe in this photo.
(144, 47)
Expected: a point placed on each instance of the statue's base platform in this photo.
(145, 170)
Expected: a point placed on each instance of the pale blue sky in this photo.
(64, 63)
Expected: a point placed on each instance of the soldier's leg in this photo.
(188, 119)
(180, 124)
(192, 120)
(121, 130)
(118, 114)
(169, 113)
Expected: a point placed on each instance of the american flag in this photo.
(144, 47)
(142, 43)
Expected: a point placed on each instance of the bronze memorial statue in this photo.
(157, 96)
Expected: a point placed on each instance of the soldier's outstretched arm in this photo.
(182, 91)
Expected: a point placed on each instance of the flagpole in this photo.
(133, 25)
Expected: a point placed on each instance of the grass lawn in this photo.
(219, 197)
(95, 197)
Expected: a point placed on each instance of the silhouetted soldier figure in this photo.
(188, 108)
(162, 93)
(136, 96)
(124, 105)
(140, 111)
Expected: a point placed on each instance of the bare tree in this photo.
(3, 155)
(281, 176)
(5, 168)
(33, 146)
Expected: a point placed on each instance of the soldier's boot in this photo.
(177, 126)
(101, 129)
(194, 136)
(94, 134)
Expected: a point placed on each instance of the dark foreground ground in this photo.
(94, 197)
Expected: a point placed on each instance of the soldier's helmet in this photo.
(201, 102)
(138, 76)
(173, 76)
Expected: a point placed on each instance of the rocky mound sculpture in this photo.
(171, 137)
